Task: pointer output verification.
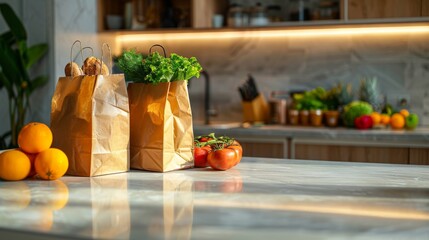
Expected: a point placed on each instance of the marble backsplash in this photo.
(400, 62)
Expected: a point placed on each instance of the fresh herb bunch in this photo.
(184, 68)
(131, 63)
(156, 69)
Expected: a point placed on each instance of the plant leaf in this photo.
(21, 65)
(8, 62)
(8, 37)
(34, 53)
(12, 20)
(37, 82)
(5, 82)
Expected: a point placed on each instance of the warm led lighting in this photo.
(317, 32)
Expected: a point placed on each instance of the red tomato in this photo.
(223, 159)
(204, 139)
(200, 156)
(237, 147)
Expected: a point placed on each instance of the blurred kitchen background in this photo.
(286, 45)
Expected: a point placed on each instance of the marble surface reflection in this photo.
(259, 198)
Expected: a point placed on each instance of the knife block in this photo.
(255, 110)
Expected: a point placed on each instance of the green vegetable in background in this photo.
(156, 69)
(354, 110)
(311, 100)
(388, 109)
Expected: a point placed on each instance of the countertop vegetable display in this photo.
(343, 107)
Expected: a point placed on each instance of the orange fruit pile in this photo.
(385, 119)
(35, 157)
(397, 121)
(376, 118)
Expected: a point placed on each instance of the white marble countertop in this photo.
(258, 199)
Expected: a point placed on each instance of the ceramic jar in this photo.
(293, 117)
(304, 117)
(331, 118)
(316, 117)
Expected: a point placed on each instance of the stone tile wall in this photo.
(399, 62)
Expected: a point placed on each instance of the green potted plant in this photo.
(332, 102)
(301, 107)
(16, 59)
(311, 106)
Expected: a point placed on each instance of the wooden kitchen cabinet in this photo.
(185, 13)
(419, 156)
(194, 14)
(425, 8)
(373, 9)
(359, 151)
(267, 147)
(350, 153)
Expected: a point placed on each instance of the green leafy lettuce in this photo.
(156, 69)
(131, 63)
(185, 68)
(354, 110)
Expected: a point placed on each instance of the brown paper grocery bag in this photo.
(90, 123)
(161, 136)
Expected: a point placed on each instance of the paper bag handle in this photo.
(92, 51)
(157, 45)
(80, 50)
(71, 51)
(110, 57)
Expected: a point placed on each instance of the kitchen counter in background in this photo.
(420, 135)
(322, 143)
(259, 198)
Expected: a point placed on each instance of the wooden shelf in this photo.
(352, 12)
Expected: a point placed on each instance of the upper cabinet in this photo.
(376, 9)
(158, 14)
(190, 14)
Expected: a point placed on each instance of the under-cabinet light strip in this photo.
(326, 32)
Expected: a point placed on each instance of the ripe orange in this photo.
(51, 164)
(35, 137)
(404, 112)
(14, 165)
(397, 121)
(32, 157)
(376, 118)
(384, 119)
